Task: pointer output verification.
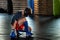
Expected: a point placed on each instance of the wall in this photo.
(36, 7)
(43, 7)
(19, 5)
(3, 4)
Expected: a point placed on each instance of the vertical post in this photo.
(31, 5)
(9, 7)
(56, 7)
(28, 2)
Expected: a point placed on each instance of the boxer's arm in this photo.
(14, 25)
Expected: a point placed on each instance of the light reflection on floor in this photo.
(31, 23)
(43, 28)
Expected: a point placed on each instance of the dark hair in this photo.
(16, 17)
(27, 12)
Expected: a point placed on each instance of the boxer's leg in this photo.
(26, 29)
(17, 33)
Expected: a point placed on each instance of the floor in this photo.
(43, 28)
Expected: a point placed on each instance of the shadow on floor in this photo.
(27, 38)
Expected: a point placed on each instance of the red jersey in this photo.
(19, 27)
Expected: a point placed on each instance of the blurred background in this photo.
(45, 19)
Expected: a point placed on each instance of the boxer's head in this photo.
(27, 12)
